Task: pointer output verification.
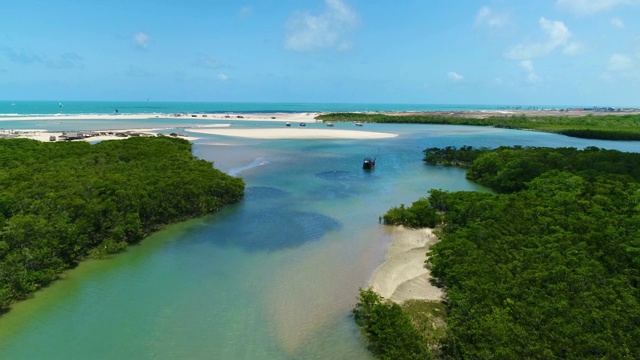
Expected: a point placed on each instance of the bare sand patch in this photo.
(403, 275)
(295, 133)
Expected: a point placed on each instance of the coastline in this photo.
(208, 124)
(102, 135)
(403, 276)
(312, 115)
(211, 120)
(280, 117)
(295, 133)
(506, 113)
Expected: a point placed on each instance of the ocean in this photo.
(32, 108)
(272, 277)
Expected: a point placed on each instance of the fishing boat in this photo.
(369, 163)
(288, 124)
(330, 124)
(358, 123)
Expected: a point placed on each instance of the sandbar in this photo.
(278, 117)
(403, 275)
(295, 133)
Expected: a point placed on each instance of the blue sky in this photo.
(545, 52)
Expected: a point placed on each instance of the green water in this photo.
(273, 277)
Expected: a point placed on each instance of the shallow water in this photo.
(272, 277)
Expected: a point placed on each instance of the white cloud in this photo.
(21, 56)
(306, 32)
(619, 62)
(573, 48)
(620, 66)
(617, 22)
(209, 62)
(141, 40)
(527, 65)
(223, 77)
(246, 11)
(136, 72)
(557, 35)
(454, 76)
(66, 61)
(488, 17)
(588, 7)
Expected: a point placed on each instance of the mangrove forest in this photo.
(545, 267)
(603, 127)
(63, 202)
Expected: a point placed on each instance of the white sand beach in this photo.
(97, 135)
(294, 133)
(403, 275)
(280, 117)
(215, 129)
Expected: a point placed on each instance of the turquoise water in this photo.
(272, 277)
(13, 108)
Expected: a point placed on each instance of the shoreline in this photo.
(204, 124)
(277, 117)
(506, 113)
(311, 115)
(294, 133)
(191, 134)
(101, 135)
(403, 276)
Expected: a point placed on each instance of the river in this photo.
(272, 277)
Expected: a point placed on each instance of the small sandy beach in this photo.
(403, 275)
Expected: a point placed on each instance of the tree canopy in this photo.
(604, 127)
(61, 202)
(547, 268)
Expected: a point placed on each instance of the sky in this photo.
(493, 52)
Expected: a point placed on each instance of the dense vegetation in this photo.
(389, 329)
(61, 202)
(549, 268)
(419, 214)
(452, 156)
(605, 127)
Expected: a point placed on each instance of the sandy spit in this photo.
(295, 133)
(403, 276)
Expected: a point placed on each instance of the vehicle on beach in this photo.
(369, 163)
